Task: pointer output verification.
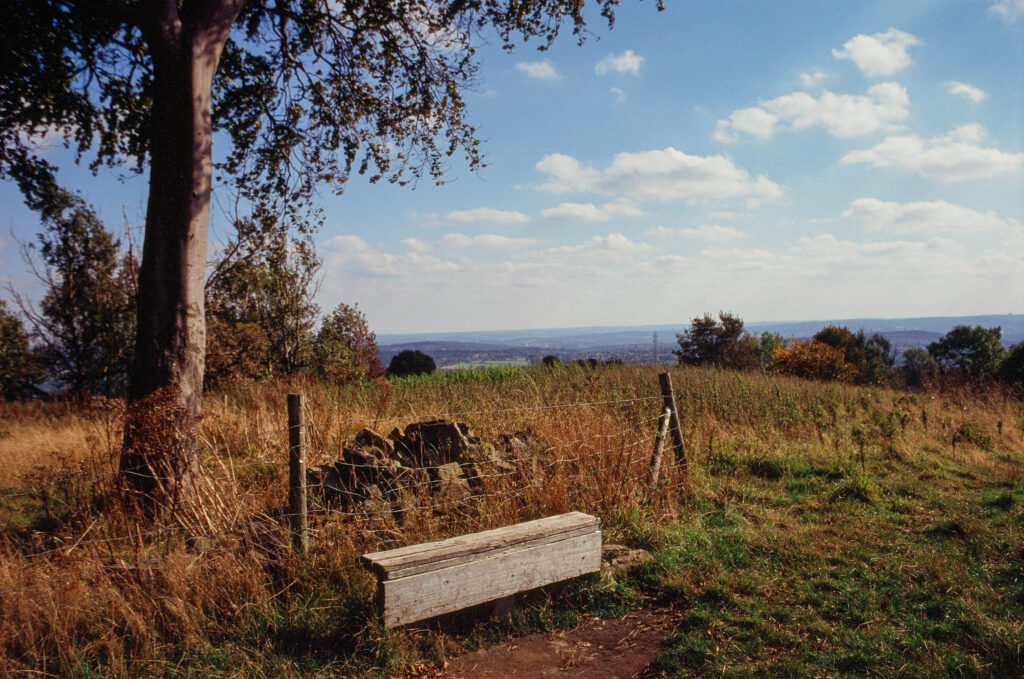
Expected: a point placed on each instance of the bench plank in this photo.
(415, 559)
(432, 593)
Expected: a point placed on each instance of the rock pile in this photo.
(439, 457)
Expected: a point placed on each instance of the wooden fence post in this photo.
(659, 448)
(679, 452)
(297, 504)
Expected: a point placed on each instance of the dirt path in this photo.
(597, 649)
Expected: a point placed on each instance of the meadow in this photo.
(819, 529)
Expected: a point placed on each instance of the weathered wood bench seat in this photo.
(423, 581)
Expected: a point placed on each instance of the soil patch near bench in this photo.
(599, 648)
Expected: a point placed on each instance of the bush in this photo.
(872, 357)
(976, 353)
(919, 369)
(18, 366)
(1011, 370)
(813, 360)
(345, 349)
(721, 343)
(411, 362)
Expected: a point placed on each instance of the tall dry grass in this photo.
(88, 589)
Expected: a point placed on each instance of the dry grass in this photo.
(215, 589)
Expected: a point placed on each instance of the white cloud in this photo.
(620, 96)
(954, 157)
(724, 215)
(842, 115)
(933, 217)
(485, 241)
(417, 245)
(627, 62)
(659, 232)
(879, 55)
(487, 215)
(811, 80)
(664, 175)
(1007, 10)
(566, 174)
(754, 121)
(588, 212)
(959, 89)
(711, 233)
(353, 254)
(614, 244)
(541, 70)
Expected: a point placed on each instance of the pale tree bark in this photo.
(166, 381)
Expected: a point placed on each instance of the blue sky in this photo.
(783, 161)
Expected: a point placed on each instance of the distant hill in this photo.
(634, 343)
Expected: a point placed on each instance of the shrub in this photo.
(18, 366)
(1011, 370)
(345, 349)
(721, 343)
(411, 362)
(976, 353)
(919, 369)
(813, 360)
(871, 357)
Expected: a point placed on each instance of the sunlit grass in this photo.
(824, 527)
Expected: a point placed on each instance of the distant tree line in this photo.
(552, 361)
(964, 354)
(261, 318)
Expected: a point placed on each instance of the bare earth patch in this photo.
(597, 649)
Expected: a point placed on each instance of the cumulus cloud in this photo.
(627, 62)
(842, 115)
(664, 175)
(811, 80)
(485, 241)
(487, 215)
(959, 89)
(614, 244)
(954, 157)
(353, 254)
(934, 217)
(711, 233)
(620, 96)
(541, 70)
(588, 212)
(1007, 10)
(878, 55)
(659, 232)
(417, 245)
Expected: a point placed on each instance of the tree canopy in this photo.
(84, 324)
(345, 349)
(19, 367)
(304, 91)
(411, 362)
(722, 343)
(976, 352)
(297, 93)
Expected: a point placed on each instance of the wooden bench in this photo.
(423, 581)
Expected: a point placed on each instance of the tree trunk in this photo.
(166, 381)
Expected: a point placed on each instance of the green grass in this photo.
(887, 573)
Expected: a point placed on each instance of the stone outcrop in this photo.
(620, 558)
(439, 457)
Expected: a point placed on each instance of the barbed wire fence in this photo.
(379, 520)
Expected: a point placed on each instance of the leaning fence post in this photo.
(679, 452)
(659, 447)
(297, 474)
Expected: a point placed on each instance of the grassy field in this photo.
(823, 530)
